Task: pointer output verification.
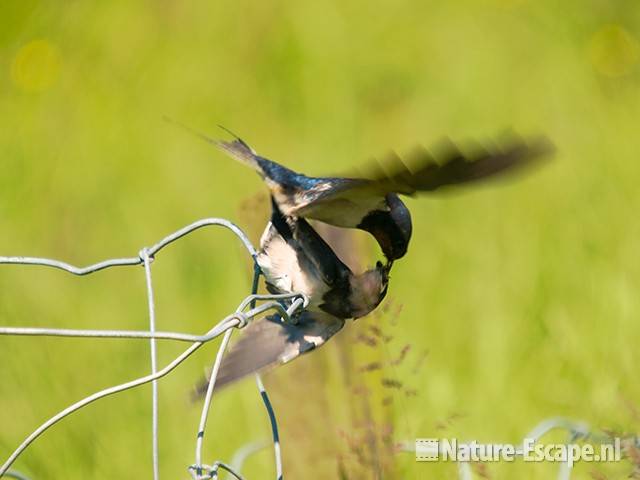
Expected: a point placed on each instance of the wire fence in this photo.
(286, 305)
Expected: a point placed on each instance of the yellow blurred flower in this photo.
(36, 66)
(613, 51)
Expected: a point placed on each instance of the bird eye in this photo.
(378, 264)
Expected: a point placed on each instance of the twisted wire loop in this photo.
(286, 305)
(211, 471)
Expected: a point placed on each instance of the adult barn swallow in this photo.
(372, 204)
(295, 259)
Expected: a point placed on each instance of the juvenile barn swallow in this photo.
(294, 258)
(372, 204)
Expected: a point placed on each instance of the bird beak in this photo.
(386, 269)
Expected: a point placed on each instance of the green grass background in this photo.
(523, 293)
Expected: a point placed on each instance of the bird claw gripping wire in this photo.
(299, 303)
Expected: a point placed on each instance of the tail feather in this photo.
(237, 148)
(242, 152)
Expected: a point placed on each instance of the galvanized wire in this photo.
(207, 401)
(17, 475)
(243, 453)
(236, 320)
(159, 335)
(151, 251)
(274, 426)
(154, 364)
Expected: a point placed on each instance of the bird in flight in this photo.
(295, 259)
(373, 204)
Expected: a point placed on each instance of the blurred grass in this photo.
(524, 294)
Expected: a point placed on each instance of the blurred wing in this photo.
(268, 342)
(426, 171)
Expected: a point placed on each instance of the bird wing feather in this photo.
(269, 342)
(426, 171)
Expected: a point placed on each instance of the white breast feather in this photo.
(279, 263)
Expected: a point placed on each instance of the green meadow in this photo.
(518, 299)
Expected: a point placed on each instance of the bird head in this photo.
(369, 289)
(391, 228)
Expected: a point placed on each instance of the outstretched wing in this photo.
(269, 342)
(427, 170)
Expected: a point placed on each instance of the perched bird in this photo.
(372, 204)
(295, 259)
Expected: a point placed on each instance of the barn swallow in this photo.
(295, 259)
(373, 204)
